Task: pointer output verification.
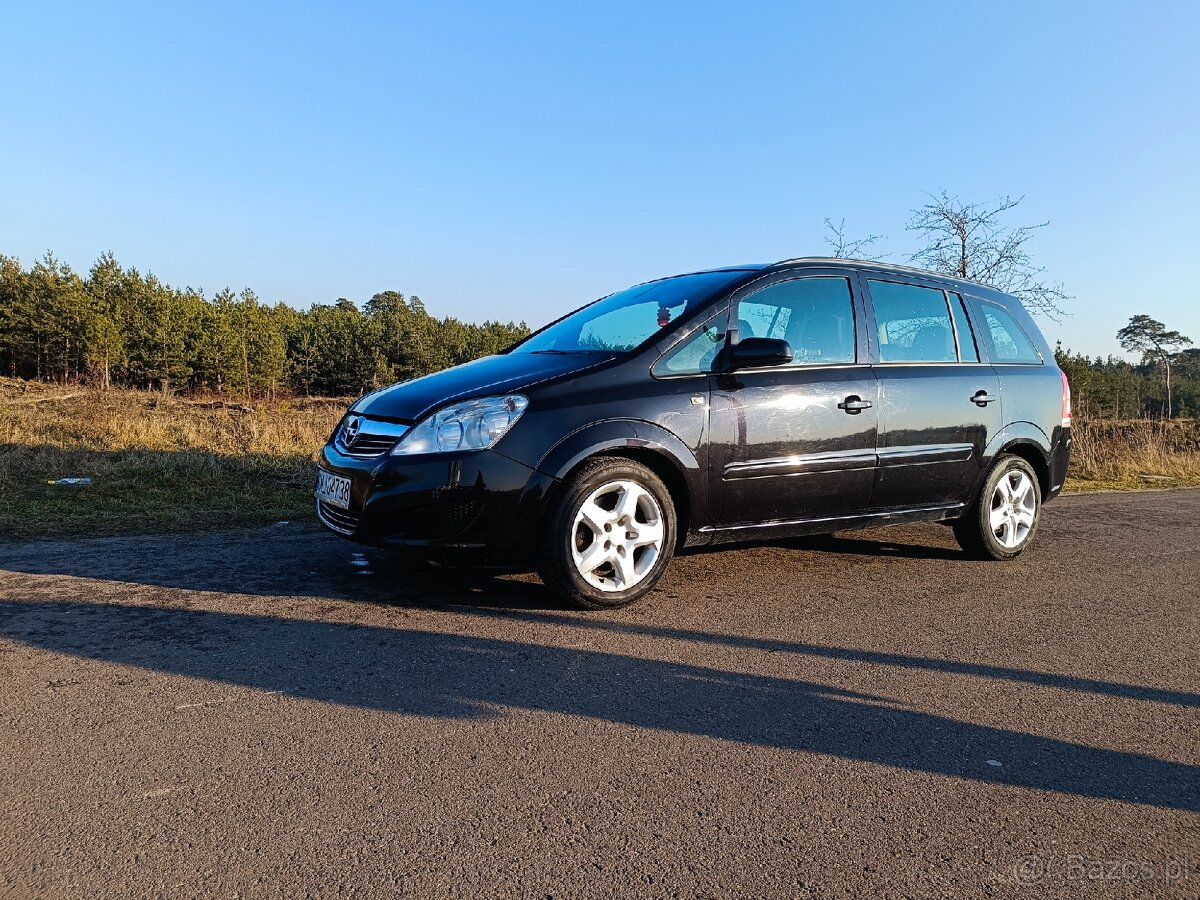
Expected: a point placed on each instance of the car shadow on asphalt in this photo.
(424, 673)
(301, 561)
(312, 564)
(289, 561)
(855, 655)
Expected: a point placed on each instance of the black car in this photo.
(808, 396)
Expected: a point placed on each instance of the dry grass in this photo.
(166, 464)
(1133, 454)
(158, 463)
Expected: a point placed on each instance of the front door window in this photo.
(814, 315)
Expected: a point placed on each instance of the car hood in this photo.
(506, 373)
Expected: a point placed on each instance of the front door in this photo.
(796, 442)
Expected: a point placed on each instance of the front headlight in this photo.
(471, 425)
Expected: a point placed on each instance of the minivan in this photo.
(741, 403)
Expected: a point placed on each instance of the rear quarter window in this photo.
(1006, 340)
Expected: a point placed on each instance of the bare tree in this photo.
(971, 240)
(844, 248)
(1156, 344)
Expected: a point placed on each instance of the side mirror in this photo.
(752, 352)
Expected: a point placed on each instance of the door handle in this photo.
(854, 404)
(983, 398)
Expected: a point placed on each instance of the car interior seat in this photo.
(825, 337)
(933, 343)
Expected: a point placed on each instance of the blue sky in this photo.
(514, 160)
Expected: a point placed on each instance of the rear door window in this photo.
(913, 322)
(1007, 341)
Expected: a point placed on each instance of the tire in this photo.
(1002, 522)
(580, 560)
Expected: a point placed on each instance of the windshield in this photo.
(623, 320)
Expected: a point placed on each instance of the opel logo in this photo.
(350, 430)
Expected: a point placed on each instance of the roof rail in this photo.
(884, 267)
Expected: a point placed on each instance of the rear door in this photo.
(938, 403)
(796, 442)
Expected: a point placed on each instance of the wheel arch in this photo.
(1026, 440)
(653, 446)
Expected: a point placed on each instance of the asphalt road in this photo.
(276, 713)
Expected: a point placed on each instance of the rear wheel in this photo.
(609, 534)
(1004, 518)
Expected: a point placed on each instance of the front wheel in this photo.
(1003, 519)
(609, 534)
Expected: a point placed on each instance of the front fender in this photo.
(634, 437)
(617, 434)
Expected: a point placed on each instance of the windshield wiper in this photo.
(580, 352)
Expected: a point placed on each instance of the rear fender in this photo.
(1025, 439)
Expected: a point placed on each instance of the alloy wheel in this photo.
(617, 536)
(1013, 508)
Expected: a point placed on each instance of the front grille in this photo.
(371, 437)
(340, 520)
(366, 446)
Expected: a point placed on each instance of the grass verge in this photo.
(157, 463)
(1134, 455)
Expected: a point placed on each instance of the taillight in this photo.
(1066, 417)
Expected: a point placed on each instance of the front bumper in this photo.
(477, 507)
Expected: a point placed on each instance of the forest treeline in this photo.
(1114, 388)
(116, 326)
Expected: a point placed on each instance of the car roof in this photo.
(745, 267)
(869, 266)
(882, 268)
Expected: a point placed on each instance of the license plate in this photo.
(333, 489)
